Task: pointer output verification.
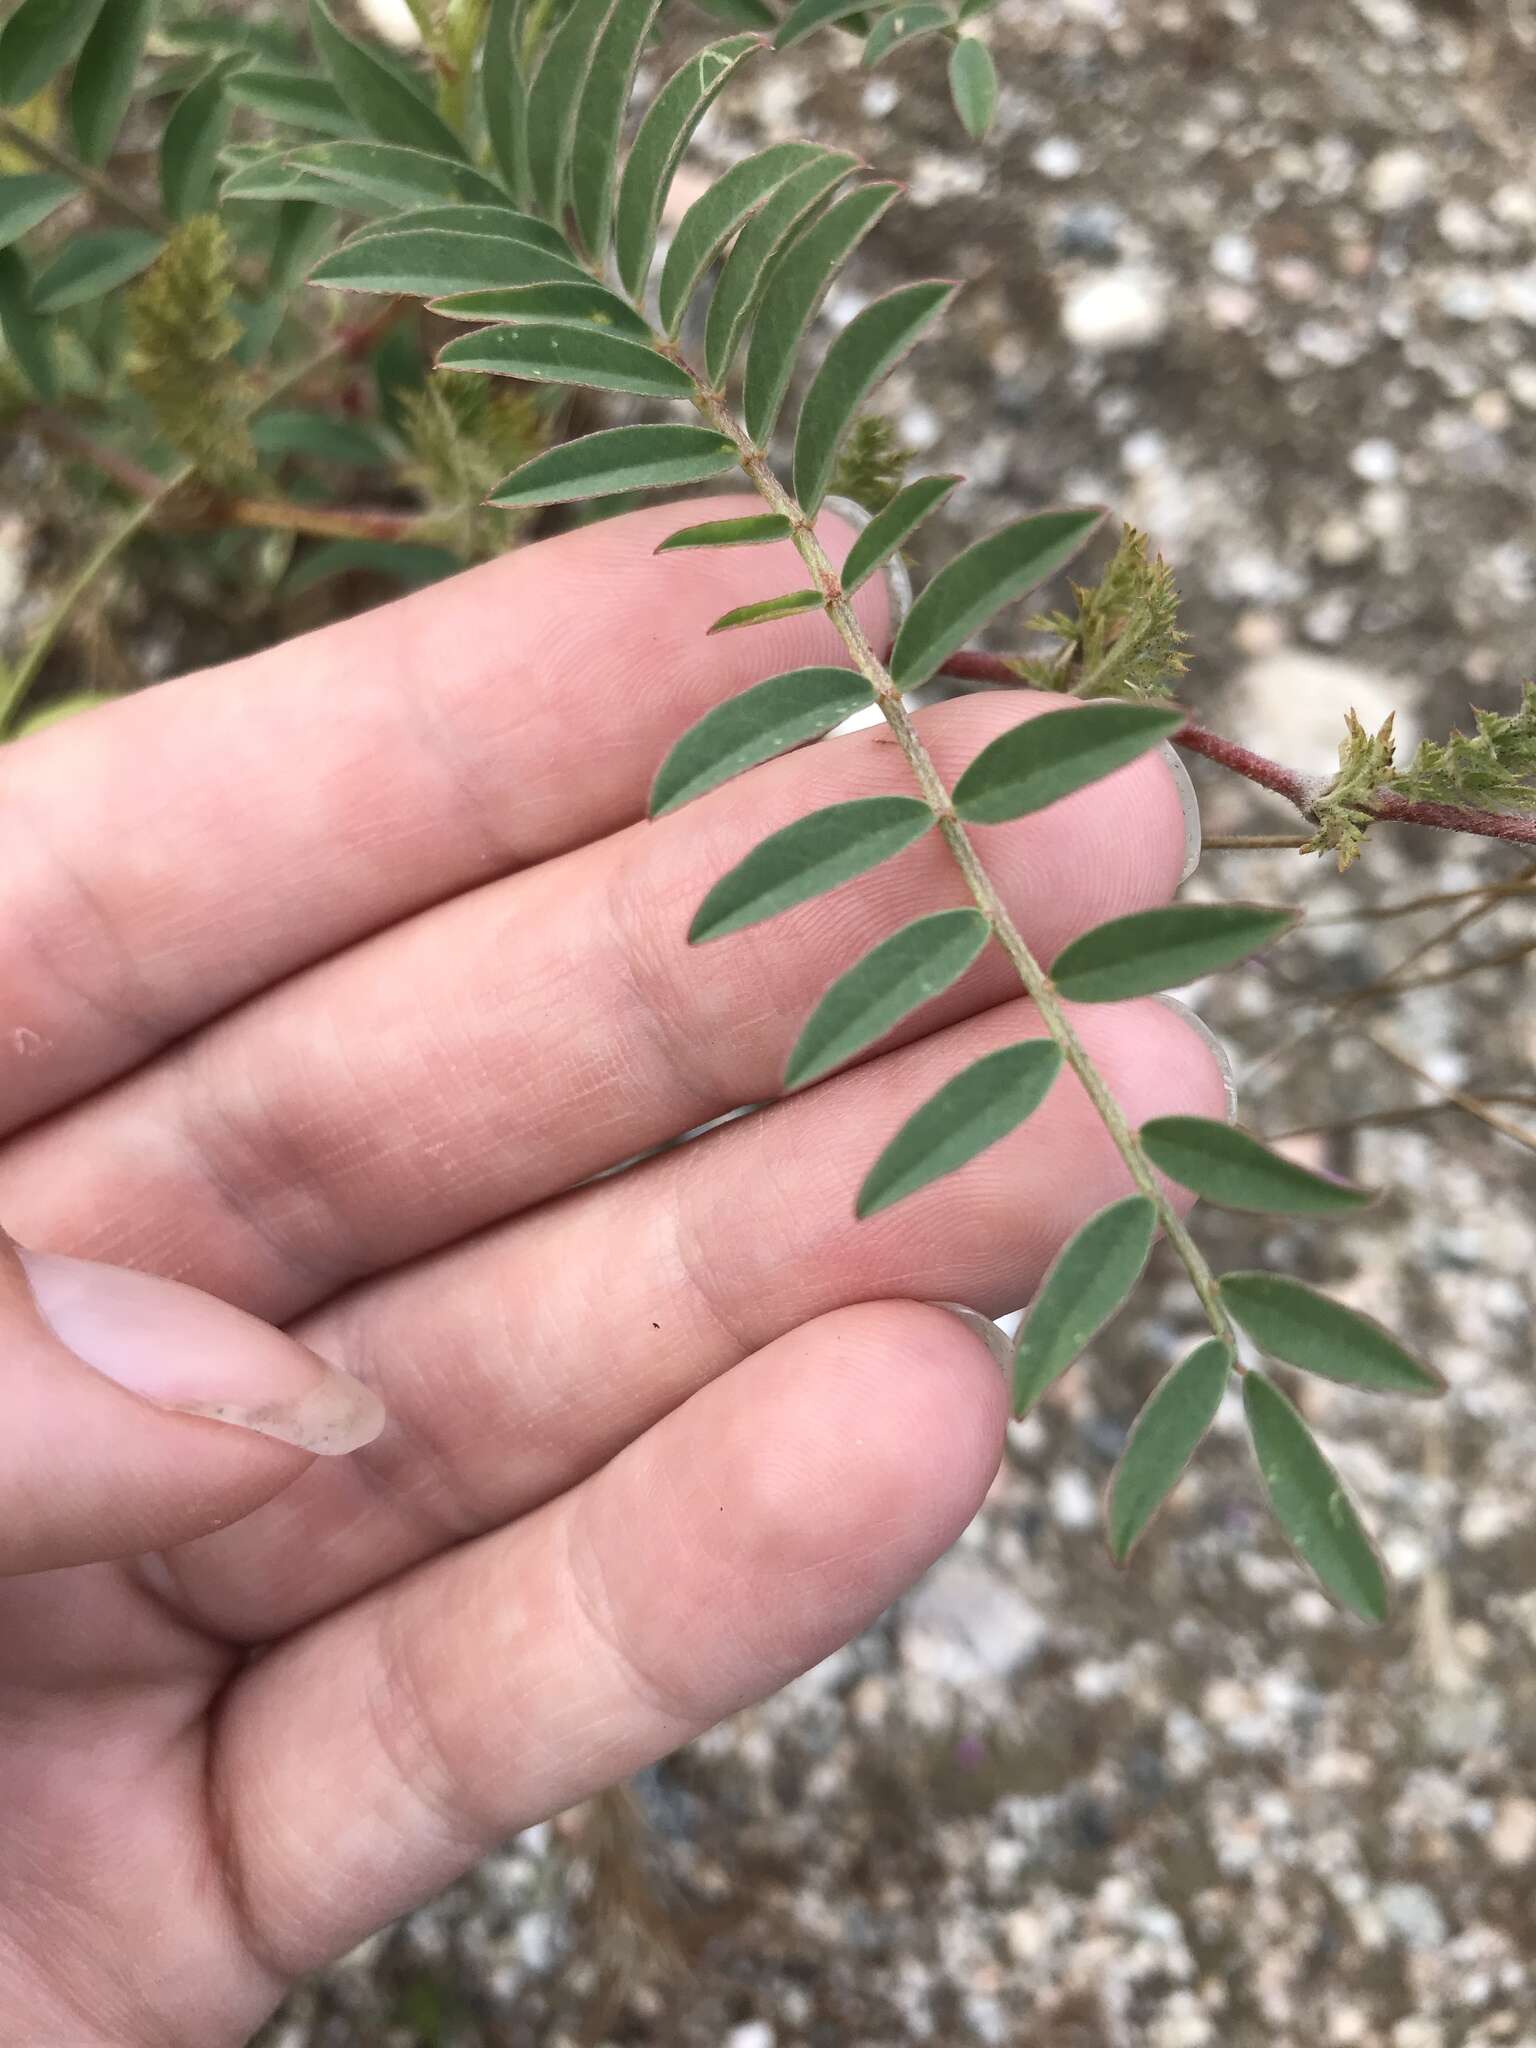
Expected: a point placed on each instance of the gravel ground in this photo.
(1265, 279)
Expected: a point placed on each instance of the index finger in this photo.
(173, 854)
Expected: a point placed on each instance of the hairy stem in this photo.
(1037, 983)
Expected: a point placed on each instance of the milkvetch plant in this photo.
(506, 189)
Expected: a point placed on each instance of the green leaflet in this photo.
(300, 232)
(600, 119)
(1318, 1517)
(504, 99)
(401, 177)
(902, 25)
(617, 459)
(1089, 1281)
(38, 41)
(1226, 1165)
(1296, 1324)
(189, 148)
(893, 979)
(866, 350)
(715, 216)
(792, 291)
(275, 176)
(102, 84)
(554, 96)
(744, 272)
(807, 858)
(1157, 949)
(973, 85)
(501, 222)
(983, 1103)
(29, 198)
(663, 136)
(554, 353)
(893, 525)
(766, 720)
(787, 606)
(987, 575)
(564, 302)
(89, 265)
(27, 335)
(1167, 1434)
(1049, 756)
(751, 531)
(376, 94)
(807, 16)
(428, 263)
(294, 97)
(408, 563)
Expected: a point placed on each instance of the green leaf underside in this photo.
(716, 215)
(809, 15)
(501, 223)
(554, 96)
(766, 720)
(663, 136)
(102, 85)
(504, 98)
(402, 177)
(973, 85)
(563, 303)
(1226, 1165)
(276, 177)
(28, 337)
(729, 533)
(1089, 1281)
(1050, 756)
(600, 119)
(617, 459)
(892, 526)
(892, 980)
(89, 265)
(189, 148)
(806, 859)
(989, 574)
(377, 95)
(1157, 949)
(1166, 1436)
(1299, 1326)
(740, 283)
(427, 263)
(983, 1103)
(866, 350)
(38, 41)
(557, 354)
(793, 289)
(901, 25)
(766, 609)
(28, 199)
(290, 96)
(1319, 1519)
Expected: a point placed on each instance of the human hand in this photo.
(330, 981)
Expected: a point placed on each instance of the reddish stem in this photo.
(1299, 789)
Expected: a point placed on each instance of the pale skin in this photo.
(328, 983)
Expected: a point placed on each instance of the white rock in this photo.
(1074, 1504)
(1413, 1913)
(964, 1623)
(1374, 461)
(394, 21)
(1127, 308)
(1058, 156)
(1512, 1839)
(1395, 179)
(755, 2034)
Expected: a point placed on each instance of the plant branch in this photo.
(1297, 788)
(1254, 842)
(101, 188)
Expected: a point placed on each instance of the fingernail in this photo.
(983, 1327)
(1219, 1052)
(898, 577)
(195, 1355)
(1189, 804)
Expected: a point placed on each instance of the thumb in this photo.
(138, 1413)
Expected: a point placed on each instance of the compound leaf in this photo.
(766, 720)
(893, 979)
(1157, 949)
(376, 93)
(716, 215)
(866, 350)
(1223, 1164)
(1318, 1517)
(983, 1103)
(744, 272)
(1088, 1282)
(1166, 1435)
(1294, 1323)
(1049, 756)
(617, 459)
(554, 353)
(892, 526)
(807, 858)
